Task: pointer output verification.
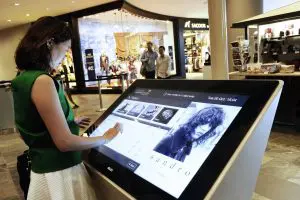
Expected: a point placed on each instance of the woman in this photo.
(197, 130)
(45, 119)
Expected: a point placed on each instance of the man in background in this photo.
(162, 64)
(148, 60)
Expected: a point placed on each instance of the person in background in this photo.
(45, 119)
(162, 64)
(148, 60)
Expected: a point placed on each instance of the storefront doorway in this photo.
(196, 47)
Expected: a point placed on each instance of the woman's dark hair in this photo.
(213, 116)
(34, 49)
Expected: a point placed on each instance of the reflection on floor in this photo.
(279, 177)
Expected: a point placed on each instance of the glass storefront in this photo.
(113, 42)
(197, 50)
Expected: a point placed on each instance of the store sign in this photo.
(90, 64)
(195, 25)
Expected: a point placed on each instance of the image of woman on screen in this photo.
(196, 131)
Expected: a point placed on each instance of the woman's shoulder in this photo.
(28, 78)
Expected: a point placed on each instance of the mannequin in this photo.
(104, 63)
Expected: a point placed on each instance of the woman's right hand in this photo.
(112, 132)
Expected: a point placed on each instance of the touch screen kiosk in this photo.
(185, 139)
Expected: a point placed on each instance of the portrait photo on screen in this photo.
(137, 109)
(199, 128)
(150, 112)
(165, 115)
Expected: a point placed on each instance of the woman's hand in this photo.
(112, 132)
(82, 122)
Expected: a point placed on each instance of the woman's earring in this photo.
(50, 43)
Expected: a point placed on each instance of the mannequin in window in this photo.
(207, 58)
(104, 63)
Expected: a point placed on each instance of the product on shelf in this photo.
(287, 69)
(270, 68)
(240, 54)
(254, 68)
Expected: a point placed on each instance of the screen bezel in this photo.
(258, 92)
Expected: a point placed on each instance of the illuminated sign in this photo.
(196, 25)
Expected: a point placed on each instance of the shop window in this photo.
(113, 42)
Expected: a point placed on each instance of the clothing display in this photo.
(104, 63)
(196, 43)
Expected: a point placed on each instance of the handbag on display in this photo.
(24, 168)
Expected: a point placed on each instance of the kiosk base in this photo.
(238, 178)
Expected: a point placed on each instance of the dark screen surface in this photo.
(178, 134)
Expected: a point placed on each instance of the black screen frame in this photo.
(258, 92)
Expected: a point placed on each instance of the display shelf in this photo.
(262, 74)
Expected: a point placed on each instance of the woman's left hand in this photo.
(82, 122)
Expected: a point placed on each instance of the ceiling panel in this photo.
(38, 8)
(178, 8)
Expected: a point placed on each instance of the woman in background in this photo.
(45, 119)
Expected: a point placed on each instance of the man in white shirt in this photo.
(162, 64)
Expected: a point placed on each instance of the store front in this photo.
(109, 40)
(113, 42)
(196, 45)
(271, 50)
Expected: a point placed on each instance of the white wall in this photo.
(9, 40)
(274, 4)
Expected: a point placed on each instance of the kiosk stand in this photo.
(237, 179)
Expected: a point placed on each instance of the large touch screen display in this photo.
(167, 135)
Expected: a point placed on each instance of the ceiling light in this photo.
(17, 4)
(27, 15)
(9, 20)
(73, 1)
(47, 9)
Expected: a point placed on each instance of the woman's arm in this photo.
(45, 98)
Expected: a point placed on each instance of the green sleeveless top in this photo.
(45, 156)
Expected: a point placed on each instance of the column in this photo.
(238, 10)
(218, 39)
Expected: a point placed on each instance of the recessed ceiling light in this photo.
(73, 1)
(27, 15)
(9, 20)
(17, 4)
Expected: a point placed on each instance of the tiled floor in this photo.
(279, 177)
